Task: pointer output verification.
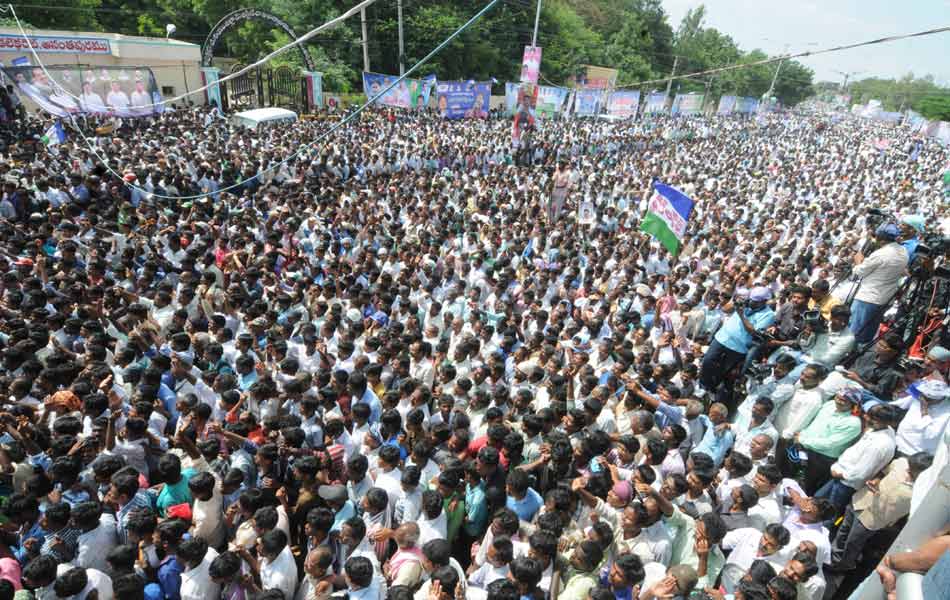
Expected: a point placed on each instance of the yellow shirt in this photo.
(824, 306)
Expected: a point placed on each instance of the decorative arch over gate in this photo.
(231, 19)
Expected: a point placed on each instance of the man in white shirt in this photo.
(880, 274)
(195, 557)
(748, 545)
(278, 569)
(99, 535)
(795, 415)
(207, 512)
(927, 414)
(863, 459)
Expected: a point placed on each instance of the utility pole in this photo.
(669, 83)
(537, 21)
(778, 68)
(402, 49)
(365, 40)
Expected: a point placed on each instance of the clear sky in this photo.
(771, 24)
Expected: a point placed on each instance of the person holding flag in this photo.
(54, 134)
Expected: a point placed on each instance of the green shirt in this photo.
(684, 551)
(578, 587)
(173, 494)
(830, 432)
(454, 518)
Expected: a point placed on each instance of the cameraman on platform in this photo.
(880, 274)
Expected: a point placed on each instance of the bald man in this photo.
(405, 566)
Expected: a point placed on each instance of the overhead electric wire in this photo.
(783, 57)
(306, 146)
(332, 22)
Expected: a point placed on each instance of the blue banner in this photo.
(623, 104)
(410, 93)
(746, 105)
(464, 99)
(727, 104)
(656, 103)
(587, 102)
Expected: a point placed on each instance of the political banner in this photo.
(463, 99)
(942, 132)
(655, 103)
(410, 93)
(687, 104)
(623, 104)
(746, 105)
(727, 104)
(524, 109)
(531, 64)
(587, 102)
(549, 100)
(68, 90)
(888, 116)
(596, 78)
(914, 120)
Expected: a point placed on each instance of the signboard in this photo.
(746, 105)
(531, 64)
(410, 93)
(55, 44)
(655, 103)
(587, 102)
(463, 99)
(727, 104)
(596, 78)
(119, 91)
(548, 100)
(687, 104)
(623, 104)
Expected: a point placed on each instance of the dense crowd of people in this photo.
(406, 364)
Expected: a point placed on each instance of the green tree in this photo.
(935, 108)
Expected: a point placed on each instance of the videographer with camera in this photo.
(880, 274)
(827, 343)
(789, 321)
(734, 339)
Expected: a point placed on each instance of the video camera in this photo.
(934, 245)
(812, 319)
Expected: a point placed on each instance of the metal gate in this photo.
(280, 87)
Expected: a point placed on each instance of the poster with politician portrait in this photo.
(65, 90)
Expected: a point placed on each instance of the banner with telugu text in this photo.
(410, 93)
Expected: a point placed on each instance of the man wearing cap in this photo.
(880, 274)
(922, 427)
(911, 227)
(734, 339)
